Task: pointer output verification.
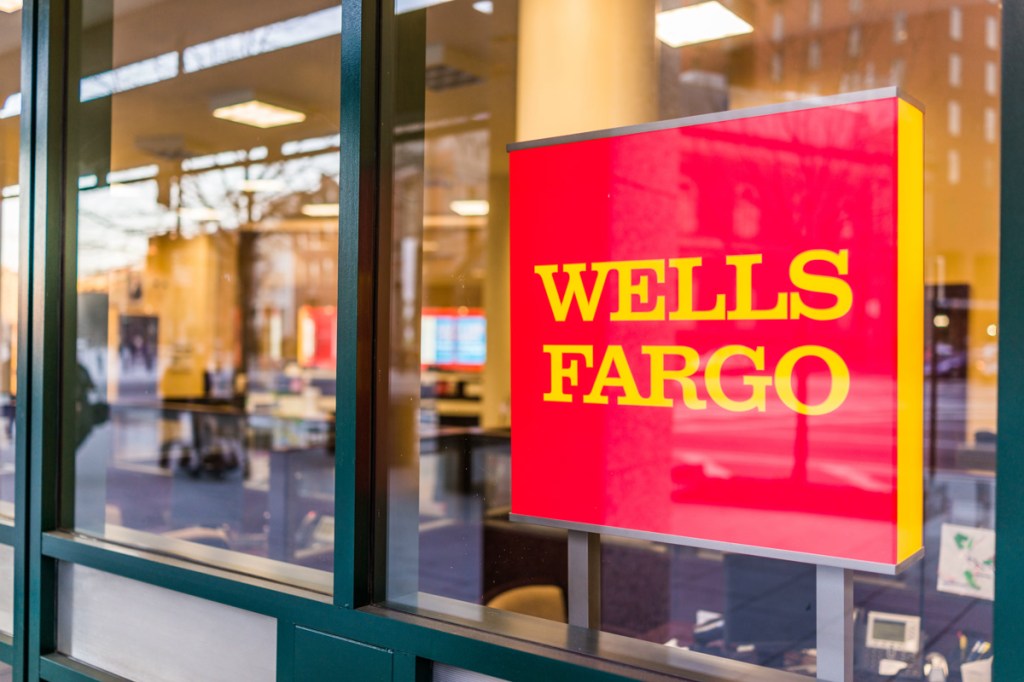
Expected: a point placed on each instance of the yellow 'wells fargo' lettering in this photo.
(749, 393)
(640, 294)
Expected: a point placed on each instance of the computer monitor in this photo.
(453, 339)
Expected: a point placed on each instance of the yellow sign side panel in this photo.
(910, 333)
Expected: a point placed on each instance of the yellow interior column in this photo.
(581, 65)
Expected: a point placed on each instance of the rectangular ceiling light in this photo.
(698, 23)
(471, 207)
(453, 222)
(321, 210)
(10, 6)
(259, 114)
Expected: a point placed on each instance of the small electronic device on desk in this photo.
(890, 644)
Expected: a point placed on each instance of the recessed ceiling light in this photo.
(259, 114)
(10, 6)
(484, 6)
(320, 210)
(698, 24)
(468, 207)
(453, 222)
(262, 185)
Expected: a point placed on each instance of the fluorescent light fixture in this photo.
(200, 214)
(269, 38)
(87, 181)
(403, 6)
(453, 222)
(10, 6)
(262, 185)
(484, 6)
(15, 190)
(698, 23)
(259, 114)
(321, 210)
(470, 207)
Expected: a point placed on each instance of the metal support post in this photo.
(835, 624)
(584, 579)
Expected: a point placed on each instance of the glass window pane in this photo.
(10, 122)
(471, 81)
(206, 156)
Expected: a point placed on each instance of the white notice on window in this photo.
(967, 561)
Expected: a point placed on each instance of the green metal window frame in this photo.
(1009, 626)
(43, 488)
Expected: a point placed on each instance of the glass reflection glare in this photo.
(206, 305)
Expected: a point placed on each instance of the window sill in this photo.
(245, 589)
(614, 653)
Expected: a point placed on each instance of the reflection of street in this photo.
(836, 441)
(278, 505)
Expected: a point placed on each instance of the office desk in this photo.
(462, 448)
(141, 467)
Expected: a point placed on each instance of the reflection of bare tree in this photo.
(282, 188)
(250, 193)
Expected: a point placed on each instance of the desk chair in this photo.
(542, 601)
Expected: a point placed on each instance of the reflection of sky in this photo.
(304, 174)
(116, 222)
(130, 76)
(288, 33)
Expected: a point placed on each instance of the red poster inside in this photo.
(717, 332)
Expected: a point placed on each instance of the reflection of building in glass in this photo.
(945, 55)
